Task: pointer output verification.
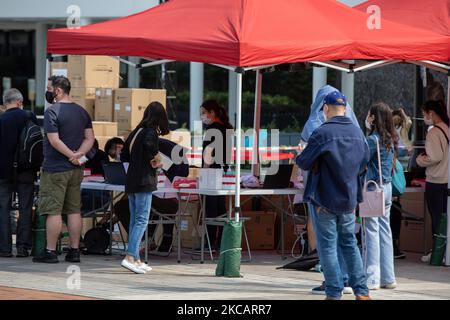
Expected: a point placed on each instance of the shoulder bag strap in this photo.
(445, 135)
(379, 161)
(134, 139)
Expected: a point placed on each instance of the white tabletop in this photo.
(414, 190)
(244, 192)
(90, 185)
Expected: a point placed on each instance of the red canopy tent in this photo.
(252, 34)
(433, 16)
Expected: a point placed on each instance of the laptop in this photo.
(281, 179)
(115, 173)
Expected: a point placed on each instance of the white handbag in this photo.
(373, 204)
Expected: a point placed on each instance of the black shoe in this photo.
(47, 257)
(22, 252)
(6, 255)
(73, 255)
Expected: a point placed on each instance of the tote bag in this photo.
(373, 204)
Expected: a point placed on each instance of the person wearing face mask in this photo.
(12, 122)
(216, 151)
(435, 160)
(336, 157)
(68, 138)
(379, 253)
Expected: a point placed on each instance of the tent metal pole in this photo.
(238, 142)
(257, 124)
(447, 251)
(331, 66)
(155, 63)
(224, 66)
(377, 64)
(47, 75)
(431, 65)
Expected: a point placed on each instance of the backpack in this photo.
(398, 180)
(29, 153)
(96, 240)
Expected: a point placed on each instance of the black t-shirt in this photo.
(69, 120)
(213, 132)
(96, 162)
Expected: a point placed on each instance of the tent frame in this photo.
(336, 65)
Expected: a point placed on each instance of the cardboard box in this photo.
(415, 236)
(102, 128)
(190, 230)
(93, 71)
(59, 69)
(181, 137)
(130, 105)
(104, 104)
(260, 230)
(85, 97)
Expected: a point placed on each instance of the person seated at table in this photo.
(96, 159)
(216, 154)
(94, 199)
(113, 148)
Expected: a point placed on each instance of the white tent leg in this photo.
(238, 143)
(47, 75)
(257, 124)
(447, 252)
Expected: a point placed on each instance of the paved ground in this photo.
(103, 278)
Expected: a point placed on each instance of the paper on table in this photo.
(166, 161)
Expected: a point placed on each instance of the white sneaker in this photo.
(132, 267)
(145, 267)
(373, 286)
(389, 285)
(426, 258)
(347, 290)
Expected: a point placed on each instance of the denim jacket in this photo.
(387, 160)
(336, 156)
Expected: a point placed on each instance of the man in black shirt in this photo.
(12, 122)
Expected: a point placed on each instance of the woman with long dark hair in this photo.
(379, 255)
(435, 160)
(216, 154)
(141, 152)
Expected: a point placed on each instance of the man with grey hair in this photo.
(12, 122)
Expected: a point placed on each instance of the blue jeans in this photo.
(312, 215)
(140, 205)
(335, 231)
(378, 252)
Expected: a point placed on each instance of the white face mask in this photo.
(205, 120)
(368, 124)
(428, 121)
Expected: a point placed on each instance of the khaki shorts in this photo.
(60, 192)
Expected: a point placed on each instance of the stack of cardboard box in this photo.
(86, 74)
(130, 105)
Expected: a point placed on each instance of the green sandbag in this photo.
(229, 264)
(439, 243)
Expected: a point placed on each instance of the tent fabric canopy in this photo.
(251, 33)
(433, 16)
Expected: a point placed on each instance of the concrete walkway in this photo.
(102, 277)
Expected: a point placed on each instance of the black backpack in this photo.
(29, 153)
(96, 240)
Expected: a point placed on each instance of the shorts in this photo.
(60, 192)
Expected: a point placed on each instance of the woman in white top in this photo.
(435, 160)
